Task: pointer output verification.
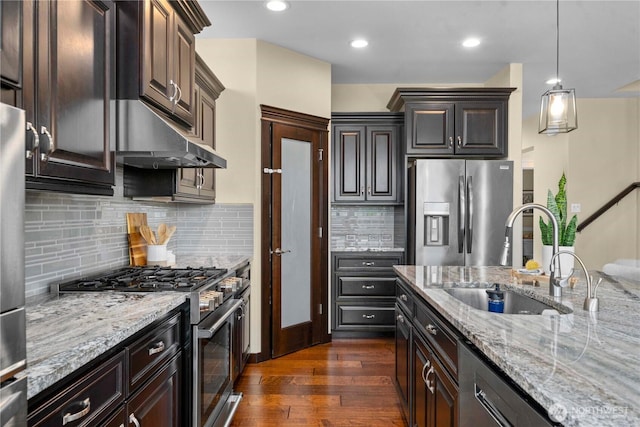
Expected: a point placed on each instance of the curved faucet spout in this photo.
(554, 289)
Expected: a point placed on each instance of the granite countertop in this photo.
(66, 332)
(367, 249)
(583, 366)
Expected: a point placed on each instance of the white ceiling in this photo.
(413, 42)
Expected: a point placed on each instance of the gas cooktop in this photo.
(146, 279)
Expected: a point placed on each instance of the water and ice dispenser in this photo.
(436, 224)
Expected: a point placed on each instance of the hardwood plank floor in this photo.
(348, 382)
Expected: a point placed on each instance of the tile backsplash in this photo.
(67, 235)
(367, 227)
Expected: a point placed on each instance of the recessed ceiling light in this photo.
(471, 42)
(359, 43)
(553, 81)
(277, 5)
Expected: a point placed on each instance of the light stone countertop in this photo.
(376, 249)
(67, 332)
(585, 363)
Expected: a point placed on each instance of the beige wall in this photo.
(600, 159)
(254, 73)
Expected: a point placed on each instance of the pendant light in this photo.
(558, 106)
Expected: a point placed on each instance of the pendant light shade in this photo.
(558, 106)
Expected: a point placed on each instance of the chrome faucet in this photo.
(555, 289)
(591, 301)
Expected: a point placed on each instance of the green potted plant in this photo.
(566, 230)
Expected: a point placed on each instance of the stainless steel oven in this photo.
(214, 402)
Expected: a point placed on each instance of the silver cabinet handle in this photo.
(179, 95)
(400, 318)
(86, 408)
(362, 190)
(203, 180)
(450, 142)
(132, 419)
(369, 190)
(36, 140)
(368, 263)
(423, 375)
(368, 316)
(403, 297)
(156, 348)
(279, 251)
(368, 286)
(175, 91)
(431, 329)
(428, 382)
(45, 156)
(459, 142)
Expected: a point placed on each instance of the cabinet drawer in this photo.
(404, 298)
(87, 401)
(365, 316)
(367, 263)
(366, 287)
(439, 336)
(153, 349)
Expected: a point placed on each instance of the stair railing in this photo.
(607, 205)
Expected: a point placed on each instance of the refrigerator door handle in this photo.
(470, 213)
(461, 213)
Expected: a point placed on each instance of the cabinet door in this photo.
(74, 87)
(403, 357)
(445, 397)
(349, 163)
(382, 163)
(430, 128)
(480, 128)
(10, 50)
(207, 116)
(184, 60)
(157, 404)
(158, 61)
(422, 396)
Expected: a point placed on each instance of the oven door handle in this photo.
(208, 333)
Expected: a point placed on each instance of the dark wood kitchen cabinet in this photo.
(366, 154)
(143, 379)
(200, 182)
(156, 54)
(470, 122)
(11, 52)
(364, 293)
(67, 91)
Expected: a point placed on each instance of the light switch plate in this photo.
(575, 207)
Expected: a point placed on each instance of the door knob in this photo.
(279, 251)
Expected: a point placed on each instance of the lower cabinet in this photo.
(364, 293)
(139, 385)
(404, 332)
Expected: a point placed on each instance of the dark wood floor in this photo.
(348, 382)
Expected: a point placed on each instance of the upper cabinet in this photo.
(67, 92)
(470, 122)
(366, 154)
(156, 55)
(10, 52)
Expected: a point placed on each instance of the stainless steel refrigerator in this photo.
(13, 391)
(457, 211)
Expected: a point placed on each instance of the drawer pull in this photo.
(404, 297)
(428, 382)
(426, 366)
(368, 286)
(368, 316)
(86, 408)
(134, 420)
(400, 318)
(368, 263)
(431, 329)
(156, 348)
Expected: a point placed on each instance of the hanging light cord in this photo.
(557, 42)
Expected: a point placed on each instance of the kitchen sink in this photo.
(514, 302)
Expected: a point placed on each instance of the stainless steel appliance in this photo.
(215, 298)
(457, 210)
(13, 391)
(487, 399)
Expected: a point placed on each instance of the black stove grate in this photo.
(146, 279)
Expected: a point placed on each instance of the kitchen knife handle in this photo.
(461, 213)
(470, 216)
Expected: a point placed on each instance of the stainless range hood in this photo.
(145, 140)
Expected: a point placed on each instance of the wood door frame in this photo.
(269, 116)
